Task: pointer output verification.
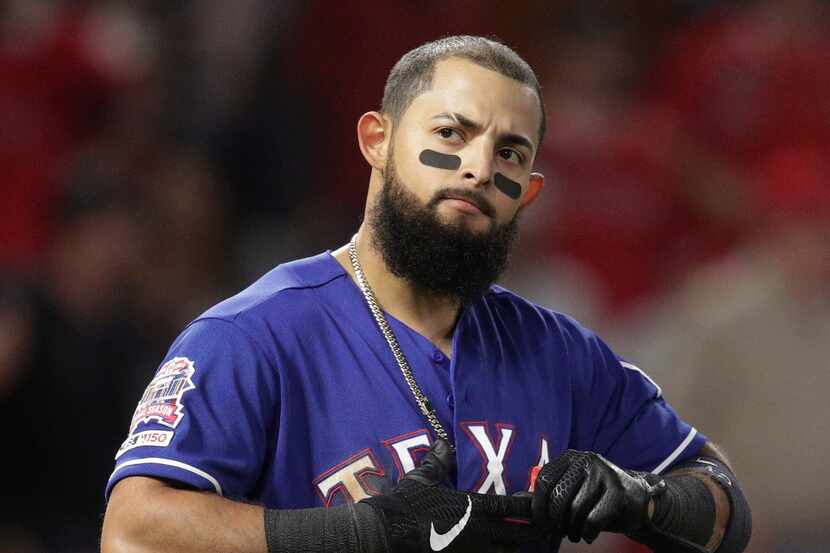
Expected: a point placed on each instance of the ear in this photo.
(373, 135)
(537, 182)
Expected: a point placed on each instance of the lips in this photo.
(468, 204)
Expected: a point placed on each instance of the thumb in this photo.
(436, 466)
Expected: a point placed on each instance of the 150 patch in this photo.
(162, 400)
(157, 438)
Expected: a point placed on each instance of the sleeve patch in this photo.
(162, 400)
(157, 438)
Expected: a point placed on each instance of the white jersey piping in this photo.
(676, 453)
(647, 377)
(170, 462)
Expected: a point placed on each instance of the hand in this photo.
(422, 514)
(581, 494)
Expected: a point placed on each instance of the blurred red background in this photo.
(157, 156)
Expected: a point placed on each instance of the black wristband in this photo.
(739, 529)
(370, 532)
(686, 509)
(346, 528)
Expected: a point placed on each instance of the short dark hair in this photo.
(412, 75)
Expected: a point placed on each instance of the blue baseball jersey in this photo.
(288, 395)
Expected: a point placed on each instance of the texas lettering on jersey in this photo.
(351, 477)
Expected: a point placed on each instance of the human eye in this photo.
(511, 155)
(450, 134)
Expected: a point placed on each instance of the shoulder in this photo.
(549, 334)
(286, 293)
(519, 312)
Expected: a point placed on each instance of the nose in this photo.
(477, 167)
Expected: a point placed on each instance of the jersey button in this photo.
(451, 401)
(438, 356)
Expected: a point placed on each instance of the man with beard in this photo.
(280, 418)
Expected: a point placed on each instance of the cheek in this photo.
(420, 180)
(508, 187)
(506, 208)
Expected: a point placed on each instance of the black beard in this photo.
(437, 258)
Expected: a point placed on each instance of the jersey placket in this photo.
(476, 418)
(431, 370)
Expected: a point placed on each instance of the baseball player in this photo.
(387, 397)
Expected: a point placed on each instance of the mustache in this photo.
(467, 195)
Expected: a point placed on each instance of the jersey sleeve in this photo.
(621, 414)
(208, 416)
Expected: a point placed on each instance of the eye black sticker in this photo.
(439, 160)
(509, 187)
(450, 162)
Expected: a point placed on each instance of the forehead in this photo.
(488, 97)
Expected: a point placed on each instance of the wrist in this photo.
(687, 500)
(345, 528)
(682, 518)
(371, 534)
(654, 488)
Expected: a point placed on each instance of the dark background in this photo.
(157, 156)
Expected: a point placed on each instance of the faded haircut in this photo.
(412, 75)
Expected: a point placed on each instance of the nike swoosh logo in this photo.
(439, 541)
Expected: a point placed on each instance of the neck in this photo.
(432, 316)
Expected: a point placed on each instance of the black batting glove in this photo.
(581, 494)
(422, 514)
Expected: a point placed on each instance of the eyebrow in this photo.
(473, 126)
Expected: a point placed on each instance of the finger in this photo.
(546, 480)
(563, 493)
(589, 494)
(539, 505)
(436, 464)
(602, 516)
(552, 472)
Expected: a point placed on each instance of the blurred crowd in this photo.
(157, 156)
